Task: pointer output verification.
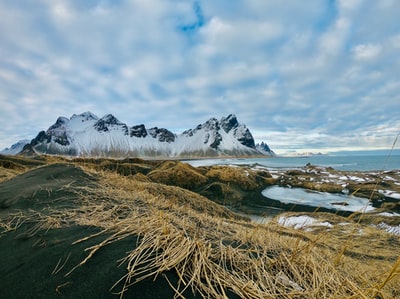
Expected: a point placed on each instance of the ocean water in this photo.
(348, 161)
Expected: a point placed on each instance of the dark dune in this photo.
(29, 267)
(37, 186)
(29, 255)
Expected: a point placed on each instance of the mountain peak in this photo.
(230, 122)
(211, 124)
(85, 116)
(163, 135)
(107, 121)
(265, 149)
(61, 121)
(110, 120)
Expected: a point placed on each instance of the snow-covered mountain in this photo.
(15, 148)
(265, 149)
(87, 135)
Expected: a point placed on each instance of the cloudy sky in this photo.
(302, 75)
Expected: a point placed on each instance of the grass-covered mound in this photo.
(179, 174)
(231, 186)
(245, 178)
(105, 235)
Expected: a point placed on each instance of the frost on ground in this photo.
(395, 230)
(301, 222)
(308, 223)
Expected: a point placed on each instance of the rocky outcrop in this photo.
(106, 123)
(40, 138)
(162, 135)
(138, 131)
(242, 133)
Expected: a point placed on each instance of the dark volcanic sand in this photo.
(27, 265)
(27, 262)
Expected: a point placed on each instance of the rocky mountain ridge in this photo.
(88, 135)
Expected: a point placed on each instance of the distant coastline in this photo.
(366, 152)
(351, 162)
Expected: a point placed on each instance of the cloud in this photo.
(349, 5)
(300, 74)
(333, 41)
(366, 52)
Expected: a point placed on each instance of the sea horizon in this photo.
(335, 152)
(368, 160)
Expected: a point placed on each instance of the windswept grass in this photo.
(220, 255)
(214, 252)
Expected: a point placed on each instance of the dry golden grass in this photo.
(6, 174)
(354, 245)
(10, 168)
(141, 178)
(216, 253)
(246, 178)
(179, 174)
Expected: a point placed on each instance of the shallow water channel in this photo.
(283, 199)
(308, 198)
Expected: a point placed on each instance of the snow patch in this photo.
(301, 222)
(307, 223)
(390, 194)
(389, 214)
(356, 179)
(395, 230)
